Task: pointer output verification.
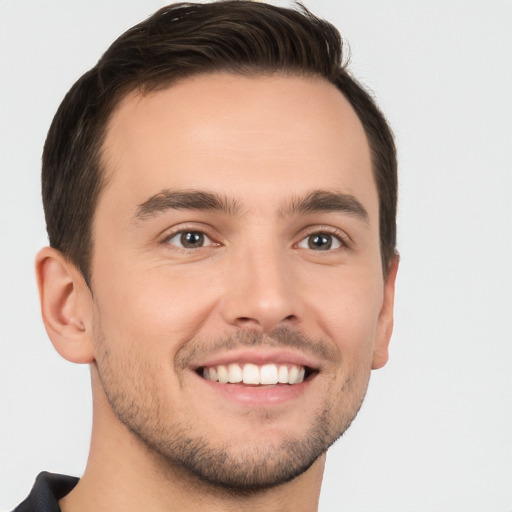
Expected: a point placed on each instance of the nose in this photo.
(261, 291)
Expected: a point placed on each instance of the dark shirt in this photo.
(48, 489)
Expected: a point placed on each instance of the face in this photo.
(238, 297)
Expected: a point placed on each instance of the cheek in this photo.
(348, 309)
(155, 307)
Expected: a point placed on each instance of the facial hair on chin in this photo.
(130, 388)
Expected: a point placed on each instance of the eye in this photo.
(189, 239)
(320, 242)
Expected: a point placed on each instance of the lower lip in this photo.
(258, 395)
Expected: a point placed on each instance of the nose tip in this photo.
(261, 295)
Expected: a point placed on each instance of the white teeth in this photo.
(292, 375)
(222, 373)
(267, 374)
(234, 373)
(251, 374)
(283, 374)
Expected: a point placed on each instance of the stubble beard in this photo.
(245, 469)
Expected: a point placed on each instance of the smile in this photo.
(252, 374)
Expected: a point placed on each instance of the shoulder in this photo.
(48, 489)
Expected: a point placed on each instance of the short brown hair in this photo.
(182, 40)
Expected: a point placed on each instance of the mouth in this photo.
(251, 374)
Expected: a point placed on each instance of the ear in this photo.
(385, 322)
(66, 306)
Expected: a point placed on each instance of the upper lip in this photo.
(258, 357)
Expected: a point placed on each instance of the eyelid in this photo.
(204, 229)
(329, 230)
(208, 241)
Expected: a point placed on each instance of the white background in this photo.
(435, 433)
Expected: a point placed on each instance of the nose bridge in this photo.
(260, 292)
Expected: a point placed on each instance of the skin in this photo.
(158, 310)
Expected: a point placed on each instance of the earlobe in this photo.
(385, 323)
(65, 306)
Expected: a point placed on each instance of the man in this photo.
(220, 199)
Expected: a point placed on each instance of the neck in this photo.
(122, 473)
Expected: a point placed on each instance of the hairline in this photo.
(149, 87)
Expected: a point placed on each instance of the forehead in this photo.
(245, 136)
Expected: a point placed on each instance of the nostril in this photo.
(246, 322)
(243, 320)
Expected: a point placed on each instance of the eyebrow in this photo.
(326, 201)
(185, 200)
(316, 201)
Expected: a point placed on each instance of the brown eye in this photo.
(189, 239)
(320, 242)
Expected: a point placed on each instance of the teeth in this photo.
(234, 373)
(222, 373)
(283, 374)
(251, 374)
(267, 374)
(292, 374)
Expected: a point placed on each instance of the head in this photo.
(180, 41)
(222, 194)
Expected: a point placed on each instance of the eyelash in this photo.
(336, 234)
(185, 230)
